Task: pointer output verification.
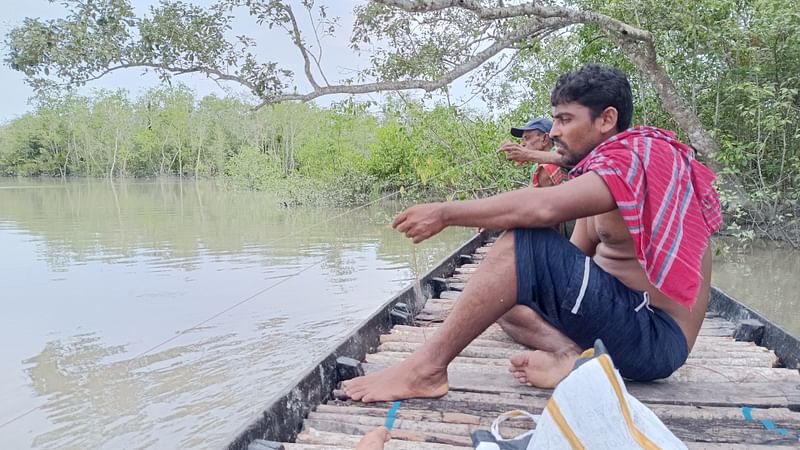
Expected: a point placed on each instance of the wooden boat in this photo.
(739, 389)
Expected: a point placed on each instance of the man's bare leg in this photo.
(542, 369)
(490, 293)
(528, 328)
(555, 355)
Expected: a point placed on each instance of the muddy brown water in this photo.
(164, 314)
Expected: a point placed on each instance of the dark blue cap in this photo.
(542, 124)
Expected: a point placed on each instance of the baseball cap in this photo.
(542, 124)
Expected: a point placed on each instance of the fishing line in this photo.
(290, 276)
(417, 288)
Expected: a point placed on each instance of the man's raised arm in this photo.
(584, 196)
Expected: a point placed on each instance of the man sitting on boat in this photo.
(635, 274)
(536, 147)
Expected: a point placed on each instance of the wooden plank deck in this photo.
(702, 403)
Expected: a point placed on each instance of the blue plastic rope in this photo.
(747, 412)
(392, 415)
(770, 425)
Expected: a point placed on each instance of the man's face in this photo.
(575, 134)
(535, 140)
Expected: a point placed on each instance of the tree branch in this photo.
(527, 9)
(644, 56)
(637, 44)
(298, 41)
(522, 33)
(318, 57)
(209, 71)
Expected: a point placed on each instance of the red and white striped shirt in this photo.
(667, 200)
(552, 171)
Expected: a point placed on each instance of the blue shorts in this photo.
(577, 297)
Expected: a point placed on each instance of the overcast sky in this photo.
(338, 59)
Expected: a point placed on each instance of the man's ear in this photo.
(608, 119)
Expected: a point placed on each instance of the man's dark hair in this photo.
(596, 87)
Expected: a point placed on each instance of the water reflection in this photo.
(763, 276)
(85, 220)
(95, 276)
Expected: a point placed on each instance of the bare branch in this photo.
(298, 41)
(212, 73)
(480, 88)
(637, 44)
(522, 33)
(318, 57)
(527, 9)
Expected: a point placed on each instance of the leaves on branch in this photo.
(418, 44)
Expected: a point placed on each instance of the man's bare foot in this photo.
(374, 440)
(542, 369)
(406, 379)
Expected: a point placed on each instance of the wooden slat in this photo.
(348, 442)
(405, 413)
(688, 373)
(449, 295)
(763, 394)
(740, 357)
(397, 432)
(732, 374)
(416, 425)
(325, 439)
(495, 336)
(724, 363)
(687, 423)
(490, 405)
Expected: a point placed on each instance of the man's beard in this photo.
(568, 159)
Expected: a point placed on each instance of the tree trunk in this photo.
(114, 158)
(66, 161)
(163, 155)
(197, 162)
(644, 56)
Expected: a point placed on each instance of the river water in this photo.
(137, 315)
(166, 314)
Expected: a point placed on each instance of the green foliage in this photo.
(344, 154)
(252, 169)
(736, 62)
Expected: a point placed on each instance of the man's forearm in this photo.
(520, 208)
(543, 157)
(551, 158)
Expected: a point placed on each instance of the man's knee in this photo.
(506, 323)
(515, 317)
(520, 320)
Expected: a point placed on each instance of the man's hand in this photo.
(374, 440)
(421, 221)
(521, 154)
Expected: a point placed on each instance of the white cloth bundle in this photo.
(589, 409)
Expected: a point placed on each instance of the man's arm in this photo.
(521, 154)
(584, 196)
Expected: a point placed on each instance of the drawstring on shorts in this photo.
(645, 303)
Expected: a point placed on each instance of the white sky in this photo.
(339, 60)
